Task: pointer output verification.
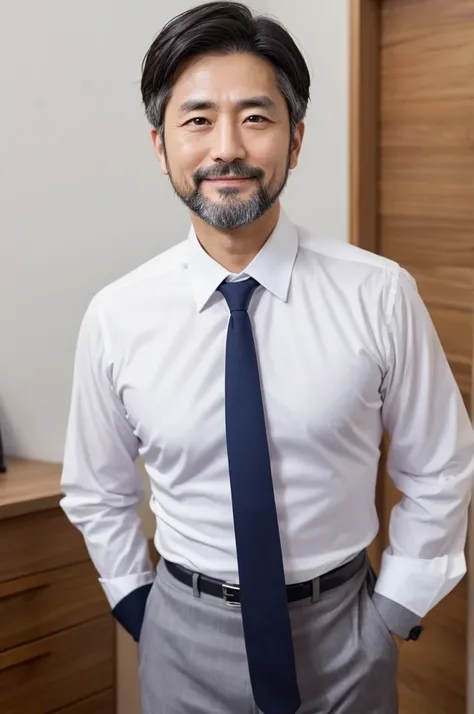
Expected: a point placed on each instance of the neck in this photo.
(234, 249)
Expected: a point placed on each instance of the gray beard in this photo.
(233, 212)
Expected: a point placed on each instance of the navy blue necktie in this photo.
(265, 615)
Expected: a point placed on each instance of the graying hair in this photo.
(223, 28)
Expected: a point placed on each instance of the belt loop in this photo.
(315, 590)
(196, 591)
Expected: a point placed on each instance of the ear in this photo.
(296, 143)
(160, 151)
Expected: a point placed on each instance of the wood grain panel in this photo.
(441, 244)
(426, 219)
(56, 671)
(103, 703)
(44, 603)
(407, 121)
(38, 541)
(446, 287)
(412, 179)
(455, 330)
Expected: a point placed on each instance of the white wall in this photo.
(317, 194)
(82, 198)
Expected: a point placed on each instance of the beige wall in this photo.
(317, 193)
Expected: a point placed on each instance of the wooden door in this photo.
(421, 152)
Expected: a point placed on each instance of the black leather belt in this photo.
(231, 593)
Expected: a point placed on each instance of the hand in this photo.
(398, 640)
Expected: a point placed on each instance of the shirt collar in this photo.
(272, 266)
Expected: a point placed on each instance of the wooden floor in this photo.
(439, 686)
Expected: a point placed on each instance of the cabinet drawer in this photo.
(38, 541)
(38, 605)
(103, 703)
(59, 670)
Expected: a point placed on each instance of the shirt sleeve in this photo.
(430, 459)
(100, 481)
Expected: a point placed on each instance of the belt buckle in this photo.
(228, 592)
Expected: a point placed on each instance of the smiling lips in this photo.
(229, 179)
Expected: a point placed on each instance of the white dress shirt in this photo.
(346, 348)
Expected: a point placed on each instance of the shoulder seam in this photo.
(95, 309)
(392, 297)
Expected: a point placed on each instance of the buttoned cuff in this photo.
(397, 618)
(127, 596)
(130, 611)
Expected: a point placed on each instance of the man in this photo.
(253, 367)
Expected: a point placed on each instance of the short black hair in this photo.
(222, 28)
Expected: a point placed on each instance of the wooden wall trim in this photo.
(363, 122)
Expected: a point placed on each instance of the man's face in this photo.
(227, 119)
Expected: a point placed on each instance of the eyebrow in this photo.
(194, 105)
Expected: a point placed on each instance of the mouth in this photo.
(226, 180)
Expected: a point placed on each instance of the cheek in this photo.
(185, 155)
(270, 153)
(191, 148)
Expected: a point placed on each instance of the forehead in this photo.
(226, 79)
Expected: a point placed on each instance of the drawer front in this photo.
(103, 703)
(38, 605)
(59, 670)
(38, 541)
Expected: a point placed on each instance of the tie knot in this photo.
(238, 294)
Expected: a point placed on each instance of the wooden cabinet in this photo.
(97, 704)
(57, 635)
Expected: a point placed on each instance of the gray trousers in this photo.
(192, 655)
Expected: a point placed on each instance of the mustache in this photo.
(233, 169)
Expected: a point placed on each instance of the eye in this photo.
(259, 119)
(195, 120)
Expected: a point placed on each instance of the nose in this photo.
(227, 142)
